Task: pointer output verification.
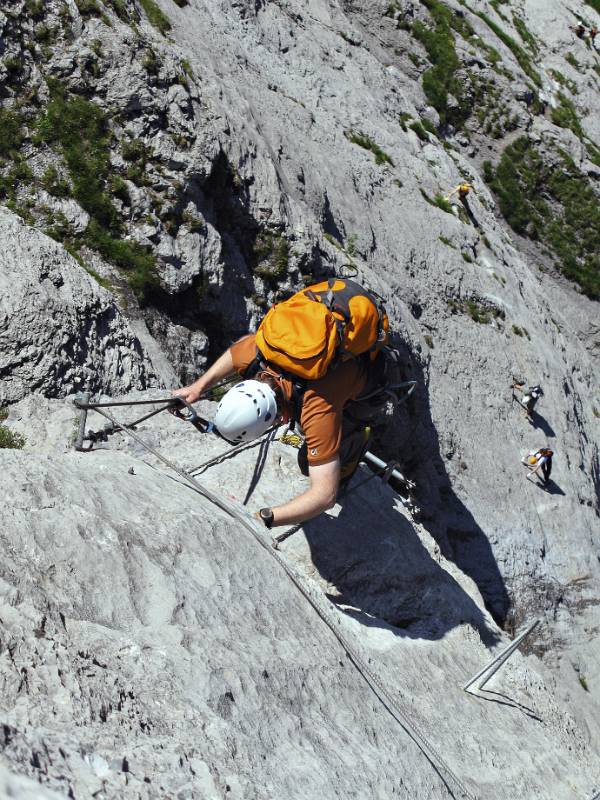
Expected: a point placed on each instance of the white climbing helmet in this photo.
(246, 411)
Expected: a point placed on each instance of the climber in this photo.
(539, 460)
(579, 30)
(529, 399)
(593, 34)
(462, 190)
(309, 378)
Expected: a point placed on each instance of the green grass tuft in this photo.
(440, 80)
(565, 116)
(88, 8)
(54, 184)
(11, 132)
(8, 439)
(564, 81)
(570, 59)
(155, 16)
(120, 9)
(80, 129)
(403, 119)
(528, 38)
(522, 58)
(447, 242)
(272, 255)
(365, 142)
(553, 203)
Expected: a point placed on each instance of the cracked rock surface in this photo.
(149, 647)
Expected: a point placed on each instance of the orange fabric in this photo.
(324, 401)
(301, 337)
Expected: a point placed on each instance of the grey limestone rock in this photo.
(59, 330)
(166, 653)
(159, 651)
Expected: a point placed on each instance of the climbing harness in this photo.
(387, 699)
(384, 471)
(292, 439)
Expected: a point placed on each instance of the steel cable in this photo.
(387, 700)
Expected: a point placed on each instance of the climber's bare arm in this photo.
(321, 495)
(222, 368)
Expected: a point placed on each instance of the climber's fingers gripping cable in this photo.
(184, 410)
(182, 400)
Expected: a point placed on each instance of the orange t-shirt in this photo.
(323, 403)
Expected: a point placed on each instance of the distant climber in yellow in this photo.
(462, 190)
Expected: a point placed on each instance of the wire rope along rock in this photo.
(389, 702)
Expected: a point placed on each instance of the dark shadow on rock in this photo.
(259, 466)
(551, 487)
(413, 440)
(380, 573)
(469, 212)
(504, 700)
(539, 422)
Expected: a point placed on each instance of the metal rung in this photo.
(494, 665)
(84, 399)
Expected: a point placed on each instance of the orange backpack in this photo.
(330, 321)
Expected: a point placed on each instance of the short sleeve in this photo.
(243, 353)
(323, 408)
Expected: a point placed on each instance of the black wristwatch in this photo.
(267, 516)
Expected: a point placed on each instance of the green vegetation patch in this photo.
(439, 201)
(403, 119)
(570, 59)
(565, 115)
(564, 81)
(155, 16)
(54, 184)
(520, 55)
(120, 9)
(527, 37)
(272, 256)
(35, 9)
(366, 143)
(496, 6)
(11, 134)
(553, 203)
(440, 80)
(8, 439)
(88, 8)
(478, 312)
(80, 129)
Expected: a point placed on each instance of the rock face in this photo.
(151, 647)
(148, 646)
(59, 331)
